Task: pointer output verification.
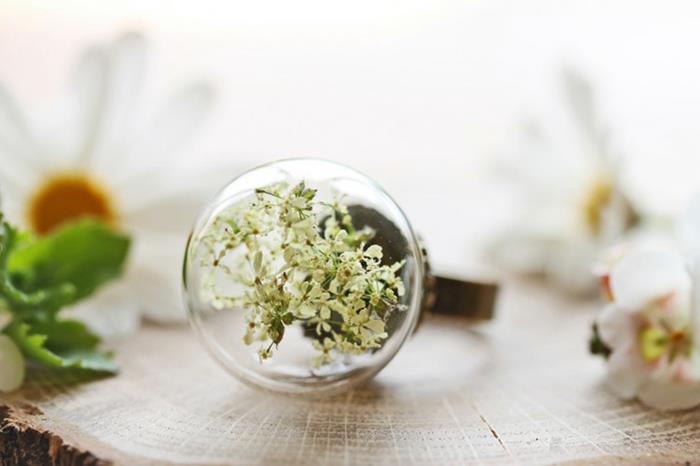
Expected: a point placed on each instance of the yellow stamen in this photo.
(68, 196)
(653, 342)
(598, 198)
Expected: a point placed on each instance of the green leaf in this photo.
(14, 297)
(60, 351)
(65, 335)
(597, 346)
(83, 255)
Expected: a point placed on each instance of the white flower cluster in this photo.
(295, 259)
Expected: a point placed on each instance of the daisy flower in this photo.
(650, 330)
(99, 158)
(572, 205)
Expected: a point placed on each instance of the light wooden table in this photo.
(522, 390)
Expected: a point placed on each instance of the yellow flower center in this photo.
(656, 342)
(598, 198)
(68, 196)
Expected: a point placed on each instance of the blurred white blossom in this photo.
(649, 332)
(102, 155)
(572, 204)
(650, 329)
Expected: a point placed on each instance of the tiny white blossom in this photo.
(326, 279)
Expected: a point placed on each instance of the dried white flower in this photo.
(300, 260)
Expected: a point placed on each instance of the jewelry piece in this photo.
(304, 277)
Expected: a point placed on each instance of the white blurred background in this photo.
(419, 94)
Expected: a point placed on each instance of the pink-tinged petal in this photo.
(694, 268)
(626, 372)
(670, 394)
(641, 277)
(692, 366)
(11, 365)
(690, 227)
(617, 329)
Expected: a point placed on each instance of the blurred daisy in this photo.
(105, 158)
(571, 203)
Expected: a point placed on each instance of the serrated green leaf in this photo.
(65, 335)
(79, 354)
(90, 360)
(15, 298)
(83, 255)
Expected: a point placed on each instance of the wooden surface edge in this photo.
(22, 442)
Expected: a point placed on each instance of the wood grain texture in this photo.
(521, 390)
(23, 443)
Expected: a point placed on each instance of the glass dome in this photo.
(303, 277)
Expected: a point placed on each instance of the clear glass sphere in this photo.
(286, 301)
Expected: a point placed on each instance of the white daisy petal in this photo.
(114, 106)
(91, 87)
(108, 147)
(175, 123)
(16, 138)
(12, 195)
(614, 218)
(161, 295)
(112, 312)
(174, 213)
(580, 95)
(157, 269)
(11, 365)
(640, 277)
(168, 133)
(128, 62)
(172, 204)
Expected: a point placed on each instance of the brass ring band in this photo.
(473, 301)
(470, 300)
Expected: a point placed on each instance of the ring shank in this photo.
(471, 300)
